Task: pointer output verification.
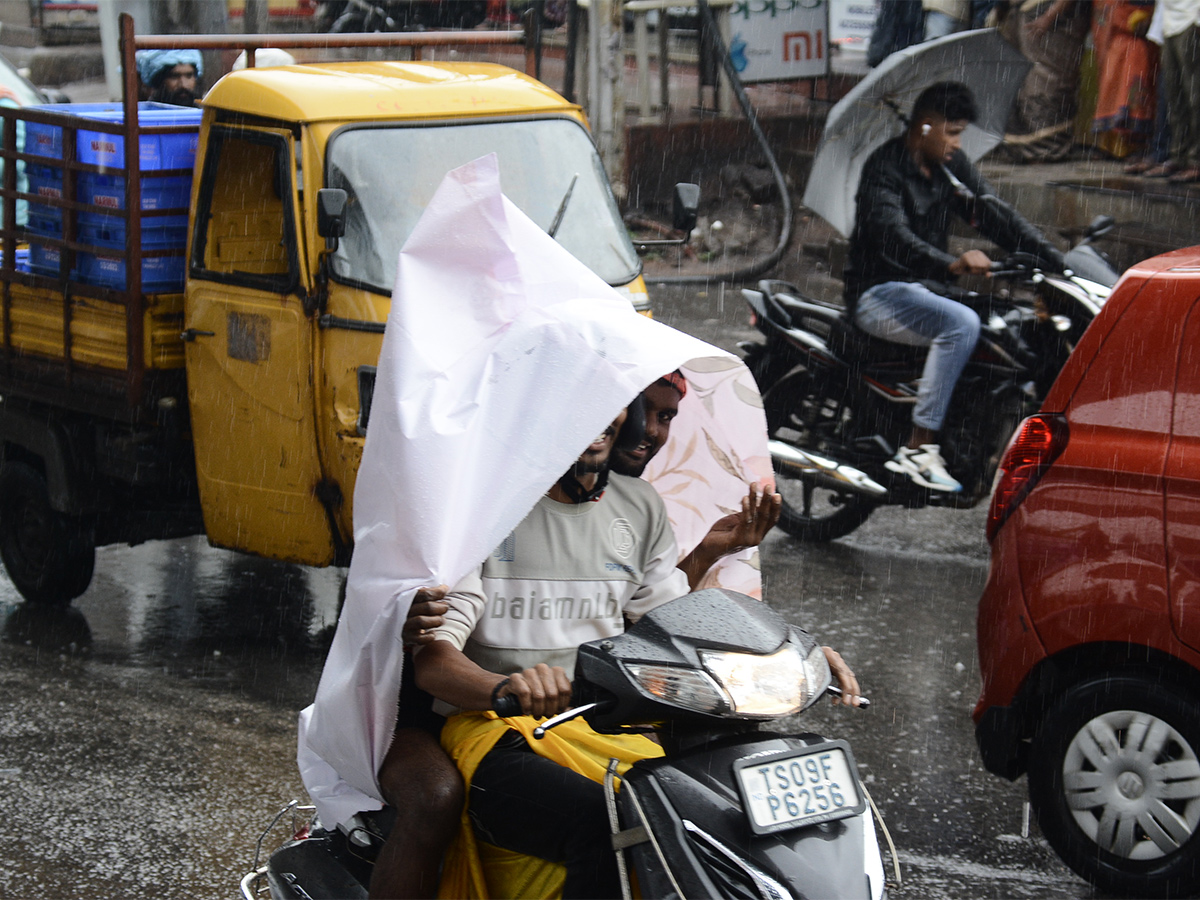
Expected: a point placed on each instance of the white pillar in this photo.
(606, 88)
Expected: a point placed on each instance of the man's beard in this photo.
(617, 463)
(179, 97)
(589, 467)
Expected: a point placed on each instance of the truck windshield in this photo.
(391, 173)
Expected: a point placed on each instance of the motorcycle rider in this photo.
(899, 267)
(518, 798)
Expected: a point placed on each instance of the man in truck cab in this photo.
(170, 76)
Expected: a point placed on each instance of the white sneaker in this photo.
(925, 467)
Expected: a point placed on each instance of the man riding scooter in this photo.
(899, 267)
(544, 799)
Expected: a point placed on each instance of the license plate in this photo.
(799, 787)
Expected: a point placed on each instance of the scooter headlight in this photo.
(767, 687)
(689, 688)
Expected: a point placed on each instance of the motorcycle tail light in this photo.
(1032, 450)
(688, 688)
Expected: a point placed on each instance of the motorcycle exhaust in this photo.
(826, 472)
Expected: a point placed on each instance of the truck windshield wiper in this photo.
(562, 207)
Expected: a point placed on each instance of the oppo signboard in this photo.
(779, 40)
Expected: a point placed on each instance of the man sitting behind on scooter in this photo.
(731, 533)
(910, 187)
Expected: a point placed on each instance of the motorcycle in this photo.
(727, 811)
(839, 402)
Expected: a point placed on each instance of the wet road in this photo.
(147, 738)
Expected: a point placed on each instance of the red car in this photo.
(1089, 626)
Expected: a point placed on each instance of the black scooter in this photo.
(729, 810)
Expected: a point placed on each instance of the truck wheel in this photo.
(49, 556)
(1115, 781)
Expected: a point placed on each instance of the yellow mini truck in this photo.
(238, 407)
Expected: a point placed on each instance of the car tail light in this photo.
(1038, 442)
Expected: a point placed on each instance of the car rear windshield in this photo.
(391, 173)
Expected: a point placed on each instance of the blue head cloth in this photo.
(151, 63)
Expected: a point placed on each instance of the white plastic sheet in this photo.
(502, 359)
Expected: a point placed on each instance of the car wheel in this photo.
(1114, 778)
(48, 556)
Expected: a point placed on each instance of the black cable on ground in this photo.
(785, 232)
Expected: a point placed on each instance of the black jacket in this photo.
(902, 218)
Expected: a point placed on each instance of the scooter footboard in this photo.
(709, 831)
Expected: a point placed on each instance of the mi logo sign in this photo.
(800, 45)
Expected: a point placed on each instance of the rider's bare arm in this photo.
(444, 671)
(734, 533)
(426, 613)
(973, 262)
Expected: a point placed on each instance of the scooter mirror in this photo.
(687, 202)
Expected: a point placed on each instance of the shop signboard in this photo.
(779, 40)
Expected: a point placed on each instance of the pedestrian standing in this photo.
(899, 24)
(1181, 69)
(1128, 68)
(1051, 35)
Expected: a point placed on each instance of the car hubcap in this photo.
(1132, 782)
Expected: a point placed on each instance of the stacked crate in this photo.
(157, 153)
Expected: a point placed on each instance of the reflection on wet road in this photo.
(203, 614)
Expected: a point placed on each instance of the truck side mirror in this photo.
(331, 215)
(687, 201)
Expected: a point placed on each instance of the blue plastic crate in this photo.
(155, 151)
(46, 226)
(22, 259)
(45, 181)
(159, 273)
(44, 260)
(158, 191)
(158, 233)
(46, 140)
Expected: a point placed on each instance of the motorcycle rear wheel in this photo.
(811, 512)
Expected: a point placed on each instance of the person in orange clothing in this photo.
(1127, 64)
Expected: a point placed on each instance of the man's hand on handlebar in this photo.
(543, 690)
(425, 614)
(973, 262)
(851, 693)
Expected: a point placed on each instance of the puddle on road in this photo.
(237, 622)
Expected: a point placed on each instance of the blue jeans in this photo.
(908, 313)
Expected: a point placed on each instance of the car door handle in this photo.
(190, 334)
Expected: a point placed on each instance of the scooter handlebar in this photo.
(863, 702)
(507, 706)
